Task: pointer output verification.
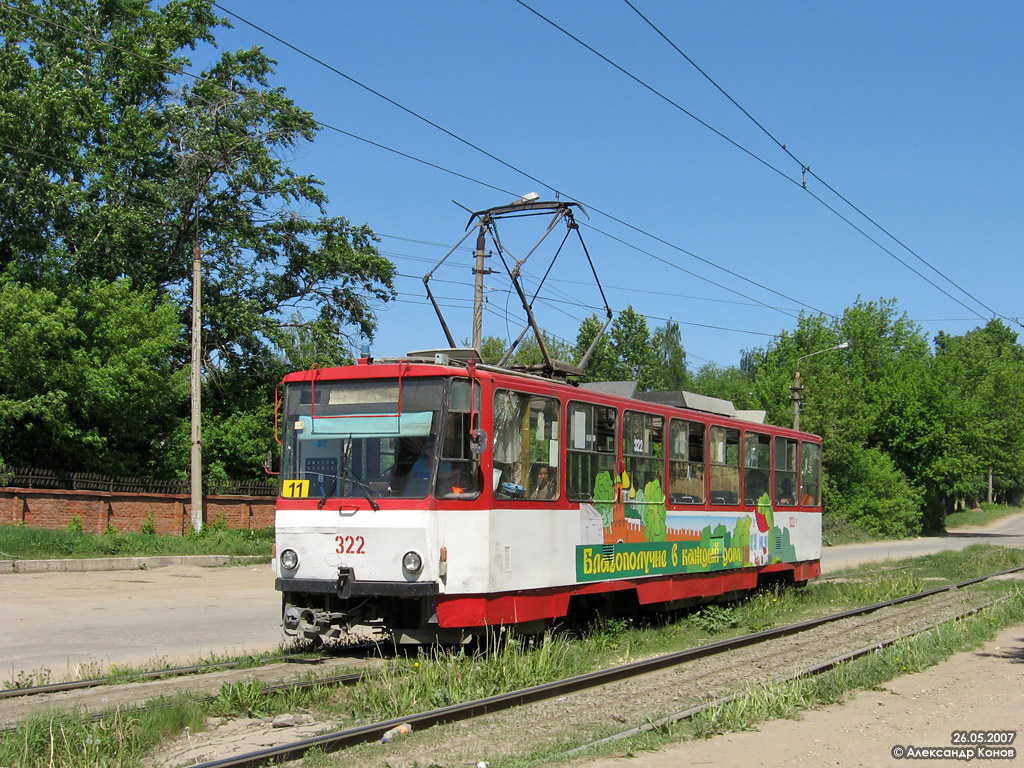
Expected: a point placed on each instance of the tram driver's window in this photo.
(527, 446)
(458, 475)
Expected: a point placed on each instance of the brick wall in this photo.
(127, 512)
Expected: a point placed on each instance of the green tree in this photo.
(637, 356)
(729, 383)
(671, 372)
(492, 349)
(979, 402)
(527, 352)
(604, 364)
(88, 381)
(865, 398)
(116, 167)
(879, 498)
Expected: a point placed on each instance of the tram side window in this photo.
(785, 471)
(590, 450)
(526, 446)
(643, 449)
(686, 462)
(757, 466)
(725, 466)
(458, 474)
(810, 474)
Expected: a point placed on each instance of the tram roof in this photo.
(461, 357)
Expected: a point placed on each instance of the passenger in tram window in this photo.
(544, 486)
(787, 496)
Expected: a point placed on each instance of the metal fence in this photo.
(20, 477)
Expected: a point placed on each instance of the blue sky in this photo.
(911, 110)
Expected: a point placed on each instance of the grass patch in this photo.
(122, 738)
(915, 654)
(983, 515)
(836, 530)
(118, 674)
(925, 571)
(27, 543)
(438, 677)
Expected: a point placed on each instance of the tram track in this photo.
(860, 629)
(817, 669)
(164, 674)
(201, 684)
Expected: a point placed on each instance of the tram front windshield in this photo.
(374, 439)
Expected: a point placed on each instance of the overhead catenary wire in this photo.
(328, 126)
(531, 177)
(807, 168)
(477, 181)
(767, 164)
(563, 281)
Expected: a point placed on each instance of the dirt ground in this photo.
(980, 690)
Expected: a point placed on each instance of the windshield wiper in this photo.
(367, 490)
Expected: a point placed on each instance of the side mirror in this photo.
(477, 441)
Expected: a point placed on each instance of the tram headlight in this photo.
(289, 559)
(412, 562)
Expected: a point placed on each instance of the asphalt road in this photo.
(72, 623)
(1007, 533)
(75, 623)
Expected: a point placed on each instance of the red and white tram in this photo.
(435, 498)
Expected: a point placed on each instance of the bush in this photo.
(879, 498)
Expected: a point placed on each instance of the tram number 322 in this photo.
(350, 545)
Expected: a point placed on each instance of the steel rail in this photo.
(96, 682)
(351, 678)
(159, 674)
(330, 742)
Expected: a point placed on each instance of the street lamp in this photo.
(796, 380)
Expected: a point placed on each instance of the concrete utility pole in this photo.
(798, 388)
(197, 417)
(478, 289)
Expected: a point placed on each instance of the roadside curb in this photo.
(125, 563)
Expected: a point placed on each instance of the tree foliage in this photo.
(629, 351)
(88, 381)
(116, 167)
